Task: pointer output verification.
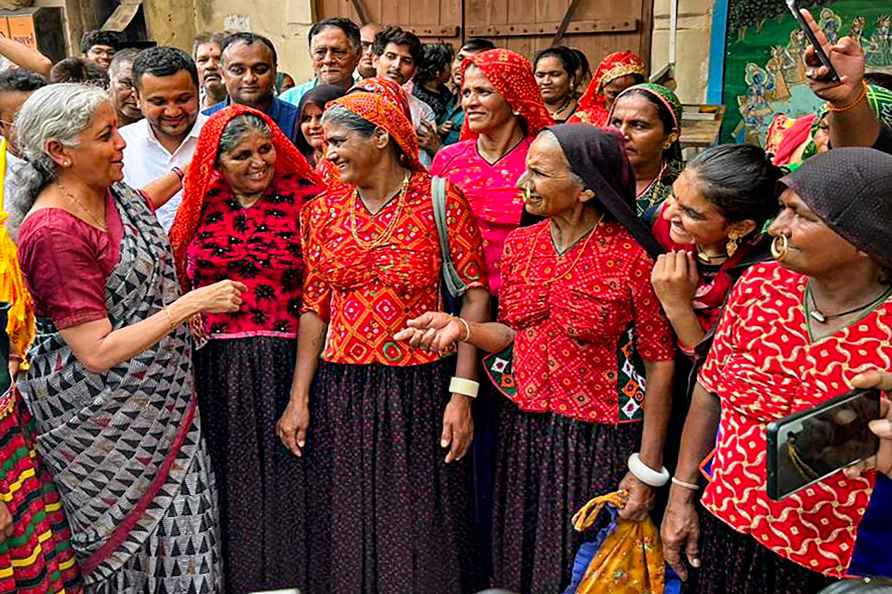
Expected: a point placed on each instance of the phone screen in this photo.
(808, 446)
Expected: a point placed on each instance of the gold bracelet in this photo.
(171, 323)
(467, 326)
(861, 97)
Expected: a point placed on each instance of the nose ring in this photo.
(779, 247)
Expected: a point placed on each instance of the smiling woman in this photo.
(240, 219)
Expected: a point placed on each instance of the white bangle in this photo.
(685, 484)
(465, 387)
(646, 474)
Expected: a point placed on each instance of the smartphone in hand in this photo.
(793, 5)
(809, 446)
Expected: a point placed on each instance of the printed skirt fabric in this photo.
(549, 466)
(386, 514)
(243, 388)
(37, 557)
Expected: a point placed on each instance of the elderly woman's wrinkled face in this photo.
(311, 126)
(639, 121)
(353, 154)
(98, 158)
(249, 167)
(692, 218)
(548, 185)
(613, 88)
(813, 248)
(485, 109)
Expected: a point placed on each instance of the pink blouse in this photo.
(491, 190)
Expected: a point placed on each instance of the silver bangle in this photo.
(685, 484)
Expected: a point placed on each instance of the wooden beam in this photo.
(549, 29)
(565, 22)
(362, 11)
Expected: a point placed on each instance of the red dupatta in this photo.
(512, 76)
(592, 107)
(291, 171)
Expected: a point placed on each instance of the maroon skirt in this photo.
(387, 515)
(548, 466)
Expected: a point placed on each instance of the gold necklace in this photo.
(93, 218)
(385, 235)
(556, 277)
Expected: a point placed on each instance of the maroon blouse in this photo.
(67, 262)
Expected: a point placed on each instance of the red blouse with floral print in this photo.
(571, 314)
(258, 246)
(366, 292)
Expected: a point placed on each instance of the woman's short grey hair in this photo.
(59, 112)
(239, 127)
(548, 134)
(341, 116)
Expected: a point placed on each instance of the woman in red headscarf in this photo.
(617, 72)
(239, 219)
(383, 427)
(503, 113)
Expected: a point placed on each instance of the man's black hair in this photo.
(249, 39)
(20, 80)
(110, 38)
(398, 36)
(162, 61)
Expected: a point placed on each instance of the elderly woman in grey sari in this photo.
(110, 381)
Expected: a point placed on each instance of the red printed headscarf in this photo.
(384, 103)
(512, 76)
(292, 170)
(593, 103)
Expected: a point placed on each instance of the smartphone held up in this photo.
(809, 446)
(833, 76)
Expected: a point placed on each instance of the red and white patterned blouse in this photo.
(366, 295)
(764, 366)
(570, 331)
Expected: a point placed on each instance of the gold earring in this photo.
(731, 246)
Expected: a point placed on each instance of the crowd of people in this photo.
(386, 330)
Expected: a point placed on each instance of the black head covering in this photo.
(598, 157)
(850, 189)
(319, 95)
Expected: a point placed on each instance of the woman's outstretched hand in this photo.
(882, 427)
(432, 331)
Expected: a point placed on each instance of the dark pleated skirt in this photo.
(734, 563)
(549, 466)
(243, 388)
(387, 515)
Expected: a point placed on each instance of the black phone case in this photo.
(775, 426)
(819, 51)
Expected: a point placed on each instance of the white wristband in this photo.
(465, 387)
(646, 474)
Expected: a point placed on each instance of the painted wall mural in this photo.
(764, 68)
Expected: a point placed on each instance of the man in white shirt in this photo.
(397, 54)
(166, 82)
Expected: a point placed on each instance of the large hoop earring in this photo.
(779, 248)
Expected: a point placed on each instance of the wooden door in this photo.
(431, 20)
(597, 27)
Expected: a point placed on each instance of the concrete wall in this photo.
(175, 22)
(692, 46)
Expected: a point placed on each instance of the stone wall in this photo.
(692, 46)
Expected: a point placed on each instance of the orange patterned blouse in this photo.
(366, 292)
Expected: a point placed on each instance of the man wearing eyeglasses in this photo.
(100, 46)
(120, 88)
(366, 67)
(335, 48)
